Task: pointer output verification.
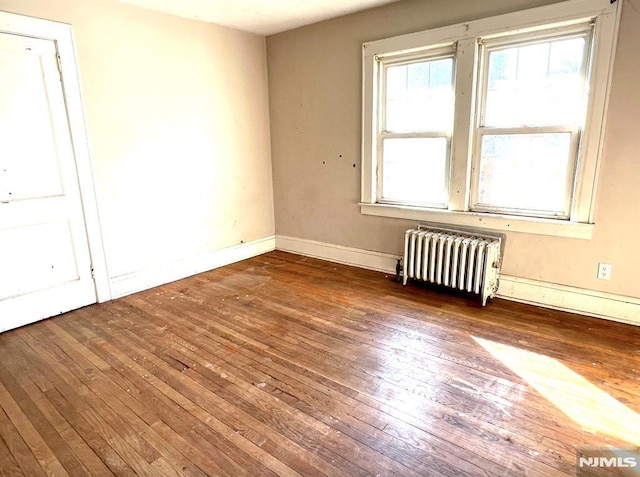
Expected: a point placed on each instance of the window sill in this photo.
(510, 223)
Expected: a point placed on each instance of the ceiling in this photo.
(264, 17)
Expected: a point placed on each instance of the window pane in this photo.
(414, 170)
(419, 96)
(536, 85)
(524, 171)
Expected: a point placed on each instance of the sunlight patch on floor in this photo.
(588, 405)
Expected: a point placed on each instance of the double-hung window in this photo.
(497, 122)
(532, 102)
(415, 137)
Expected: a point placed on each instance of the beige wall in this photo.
(178, 115)
(178, 122)
(315, 100)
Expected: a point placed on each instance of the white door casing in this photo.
(49, 229)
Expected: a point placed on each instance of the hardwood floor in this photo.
(285, 365)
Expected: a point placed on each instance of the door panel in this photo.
(28, 141)
(37, 263)
(45, 267)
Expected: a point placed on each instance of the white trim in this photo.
(45, 306)
(378, 261)
(572, 299)
(152, 277)
(566, 14)
(534, 19)
(62, 34)
(466, 74)
(605, 90)
(534, 292)
(79, 135)
(511, 223)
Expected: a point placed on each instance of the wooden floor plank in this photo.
(48, 461)
(141, 422)
(191, 392)
(472, 444)
(89, 411)
(329, 358)
(343, 421)
(251, 389)
(196, 406)
(287, 365)
(9, 464)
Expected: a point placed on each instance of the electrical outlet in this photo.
(604, 271)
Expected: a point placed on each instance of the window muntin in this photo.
(417, 107)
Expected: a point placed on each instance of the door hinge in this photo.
(59, 63)
(93, 273)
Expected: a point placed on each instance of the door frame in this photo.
(62, 34)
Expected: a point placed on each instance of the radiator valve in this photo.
(398, 269)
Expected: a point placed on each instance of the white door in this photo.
(45, 266)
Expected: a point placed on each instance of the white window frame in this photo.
(382, 133)
(465, 38)
(575, 130)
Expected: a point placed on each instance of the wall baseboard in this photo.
(152, 277)
(572, 299)
(534, 292)
(378, 261)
